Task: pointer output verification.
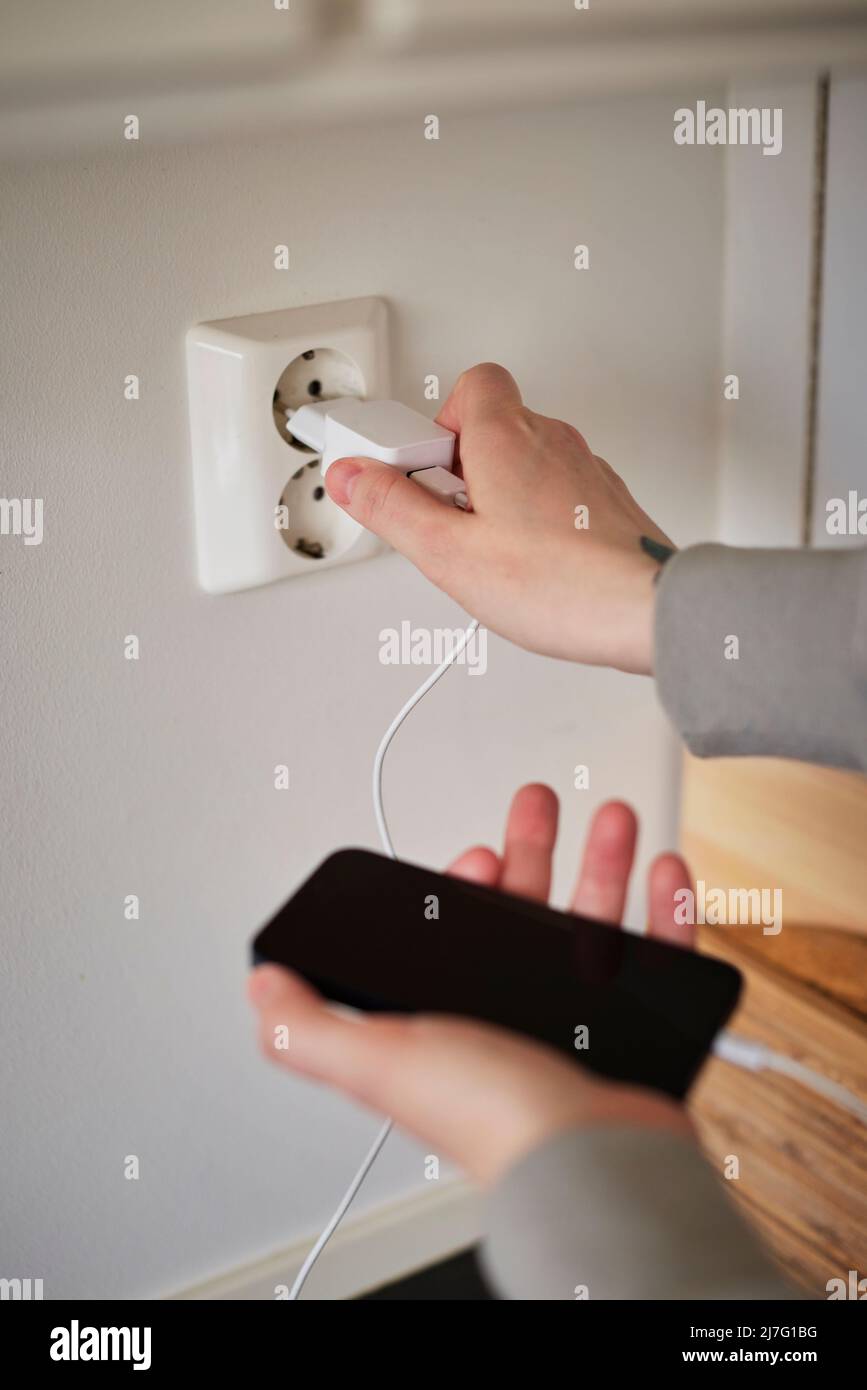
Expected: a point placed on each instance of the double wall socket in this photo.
(262, 512)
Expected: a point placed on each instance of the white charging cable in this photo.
(395, 725)
(385, 837)
(754, 1056)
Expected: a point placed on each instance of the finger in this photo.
(419, 525)
(668, 875)
(531, 833)
(603, 880)
(430, 1074)
(301, 1031)
(434, 1075)
(270, 982)
(485, 390)
(479, 865)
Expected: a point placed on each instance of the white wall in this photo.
(841, 442)
(155, 777)
(767, 321)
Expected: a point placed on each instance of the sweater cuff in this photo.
(621, 1213)
(763, 652)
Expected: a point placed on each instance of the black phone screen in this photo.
(383, 935)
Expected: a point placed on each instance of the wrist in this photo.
(633, 620)
(585, 1102)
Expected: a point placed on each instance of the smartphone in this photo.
(379, 934)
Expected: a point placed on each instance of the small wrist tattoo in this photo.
(657, 551)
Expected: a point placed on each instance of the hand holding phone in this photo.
(479, 1093)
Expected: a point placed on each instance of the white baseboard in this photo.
(376, 1248)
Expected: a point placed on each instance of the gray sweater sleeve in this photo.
(765, 652)
(621, 1213)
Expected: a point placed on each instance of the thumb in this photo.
(380, 498)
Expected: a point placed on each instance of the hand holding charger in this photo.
(387, 431)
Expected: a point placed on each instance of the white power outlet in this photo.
(261, 510)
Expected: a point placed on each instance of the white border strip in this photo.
(387, 1243)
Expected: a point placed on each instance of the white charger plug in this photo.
(387, 431)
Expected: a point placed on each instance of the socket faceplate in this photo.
(241, 465)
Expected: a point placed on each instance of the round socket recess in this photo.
(319, 374)
(314, 528)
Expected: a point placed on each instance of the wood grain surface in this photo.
(803, 1159)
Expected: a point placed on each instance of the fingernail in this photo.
(264, 984)
(340, 480)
